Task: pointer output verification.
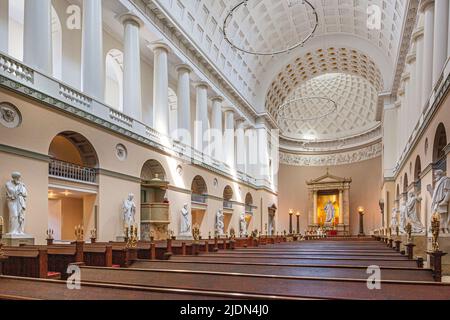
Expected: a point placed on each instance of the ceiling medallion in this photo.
(284, 113)
(268, 53)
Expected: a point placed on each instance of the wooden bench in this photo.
(25, 262)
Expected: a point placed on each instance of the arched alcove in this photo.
(114, 79)
(440, 142)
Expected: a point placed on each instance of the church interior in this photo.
(224, 150)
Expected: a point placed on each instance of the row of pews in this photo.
(263, 268)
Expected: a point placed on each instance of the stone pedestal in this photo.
(410, 250)
(18, 240)
(444, 246)
(436, 264)
(185, 237)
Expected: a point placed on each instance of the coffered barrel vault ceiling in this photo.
(362, 59)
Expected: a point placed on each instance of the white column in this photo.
(217, 128)
(418, 39)
(427, 7)
(184, 103)
(92, 62)
(201, 117)
(160, 88)
(37, 38)
(228, 138)
(241, 148)
(315, 218)
(411, 116)
(440, 38)
(4, 25)
(132, 105)
(263, 150)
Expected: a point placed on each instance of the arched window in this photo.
(417, 172)
(173, 112)
(199, 190)
(227, 196)
(397, 194)
(249, 203)
(114, 79)
(440, 142)
(405, 183)
(152, 169)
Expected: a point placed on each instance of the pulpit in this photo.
(328, 204)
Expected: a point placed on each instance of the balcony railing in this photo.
(199, 198)
(71, 171)
(227, 204)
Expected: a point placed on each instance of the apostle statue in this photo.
(219, 223)
(330, 211)
(242, 225)
(402, 222)
(394, 220)
(440, 198)
(412, 206)
(129, 211)
(16, 195)
(186, 221)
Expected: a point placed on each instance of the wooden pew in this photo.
(14, 288)
(98, 254)
(318, 271)
(300, 287)
(25, 262)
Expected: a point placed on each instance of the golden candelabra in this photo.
(435, 230)
(126, 232)
(232, 233)
(196, 232)
(131, 236)
(79, 233)
(50, 233)
(408, 230)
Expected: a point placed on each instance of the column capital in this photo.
(129, 17)
(183, 67)
(411, 57)
(217, 99)
(161, 45)
(418, 34)
(201, 84)
(229, 109)
(425, 4)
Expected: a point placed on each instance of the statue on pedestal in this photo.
(440, 198)
(394, 220)
(402, 223)
(219, 223)
(129, 211)
(186, 221)
(16, 195)
(330, 211)
(412, 206)
(242, 225)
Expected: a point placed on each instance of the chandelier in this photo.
(288, 110)
(291, 3)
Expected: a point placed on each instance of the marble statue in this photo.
(440, 198)
(129, 211)
(16, 196)
(402, 222)
(186, 221)
(219, 223)
(412, 206)
(330, 211)
(394, 219)
(242, 225)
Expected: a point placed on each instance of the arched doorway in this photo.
(249, 210)
(199, 203)
(227, 206)
(440, 142)
(73, 188)
(154, 202)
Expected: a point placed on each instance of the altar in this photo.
(328, 204)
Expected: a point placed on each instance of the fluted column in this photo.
(92, 63)
(411, 116)
(228, 138)
(4, 25)
(184, 103)
(217, 128)
(427, 7)
(132, 99)
(418, 39)
(160, 88)
(315, 218)
(440, 38)
(241, 150)
(37, 38)
(263, 149)
(201, 117)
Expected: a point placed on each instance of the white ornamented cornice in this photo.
(367, 153)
